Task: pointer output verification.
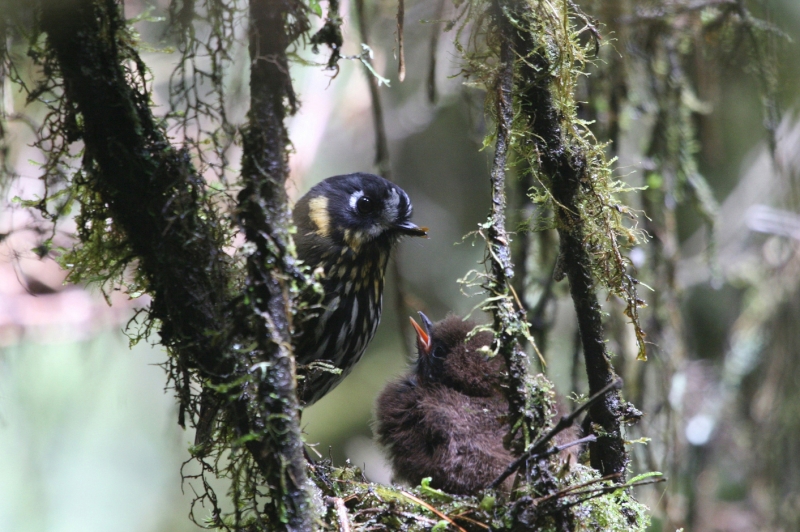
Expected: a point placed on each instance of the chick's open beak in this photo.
(411, 229)
(423, 335)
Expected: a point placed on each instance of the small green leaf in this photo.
(441, 526)
(488, 502)
(426, 489)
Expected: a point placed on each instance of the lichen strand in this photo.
(207, 43)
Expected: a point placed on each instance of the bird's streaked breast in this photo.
(352, 310)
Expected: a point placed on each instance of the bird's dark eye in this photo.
(364, 205)
(438, 352)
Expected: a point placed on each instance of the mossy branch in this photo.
(162, 217)
(568, 175)
(152, 190)
(508, 322)
(272, 276)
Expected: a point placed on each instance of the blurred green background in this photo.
(88, 438)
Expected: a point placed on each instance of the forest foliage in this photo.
(157, 205)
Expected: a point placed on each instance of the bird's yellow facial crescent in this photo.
(318, 212)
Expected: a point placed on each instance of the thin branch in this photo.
(268, 408)
(563, 423)
(401, 54)
(381, 144)
(566, 166)
(569, 489)
(433, 46)
(615, 487)
(507, 322)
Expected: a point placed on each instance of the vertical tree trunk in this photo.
(566, 169)
(155, 198)
(265, 217)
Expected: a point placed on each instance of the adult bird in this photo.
(347, 226)
(446, 418)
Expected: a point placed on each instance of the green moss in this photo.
(417, 508)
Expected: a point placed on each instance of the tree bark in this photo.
(151, 189)
(507, 320)
(566, 168)
(155, 197)
(265, 218)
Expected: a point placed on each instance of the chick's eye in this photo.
(438, 352)
(364, 205)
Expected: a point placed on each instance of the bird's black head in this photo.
(355, 210)
(449, 356)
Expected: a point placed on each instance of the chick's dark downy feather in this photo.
(446, 418)
(346, 226)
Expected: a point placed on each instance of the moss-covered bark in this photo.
(151, 189)
(156, 199)
(565, 166)
(264, 214)
(509, 321)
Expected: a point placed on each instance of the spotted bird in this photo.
(347, 225)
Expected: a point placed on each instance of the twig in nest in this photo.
(341, 512)
(558, 448)
(577, 491)
(599, 492)
(471, 521)
(615, 487)
(432, 509)
(563, 423)
(411, 515)
(569, 489)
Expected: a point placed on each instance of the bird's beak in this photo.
(411, 229)
(423, 335)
